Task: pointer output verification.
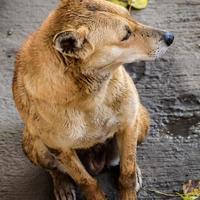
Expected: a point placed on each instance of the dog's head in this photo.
(100, 34)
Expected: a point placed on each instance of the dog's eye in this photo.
(128, 34)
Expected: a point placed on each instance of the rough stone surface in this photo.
(169, 87)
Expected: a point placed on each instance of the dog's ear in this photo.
(73, 43)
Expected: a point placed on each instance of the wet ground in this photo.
(169, 87)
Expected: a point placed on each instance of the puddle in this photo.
(183, 126)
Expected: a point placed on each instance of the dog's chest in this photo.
(102, 122)
(92, 127)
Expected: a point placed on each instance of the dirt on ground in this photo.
(169, 87)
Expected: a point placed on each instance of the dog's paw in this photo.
(65, 192)
(64, 188)
(96, 195)
(128, 194)
(138, 179)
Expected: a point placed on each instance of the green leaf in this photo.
(120, 2)
(138, 4)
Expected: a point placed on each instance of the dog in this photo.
(76, 99)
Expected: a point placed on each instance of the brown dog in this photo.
(73, 93)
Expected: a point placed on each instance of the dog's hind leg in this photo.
(66, 162)
(45, 157)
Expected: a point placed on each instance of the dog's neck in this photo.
(87, 82)
(90, 84)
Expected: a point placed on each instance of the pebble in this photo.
(9, 32)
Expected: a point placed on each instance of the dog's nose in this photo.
(168, 38)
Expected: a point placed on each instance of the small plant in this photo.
(191, 191)
(190, 196)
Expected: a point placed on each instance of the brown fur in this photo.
(73, 93)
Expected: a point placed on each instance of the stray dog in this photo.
(77, 100)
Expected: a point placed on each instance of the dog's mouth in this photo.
(160, 51)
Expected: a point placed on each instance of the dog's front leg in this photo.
(127, 141)
(70, 163)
